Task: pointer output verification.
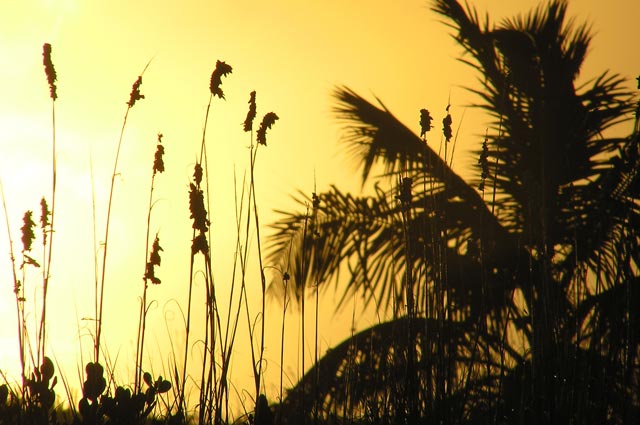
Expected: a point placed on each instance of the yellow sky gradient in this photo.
(293, 53)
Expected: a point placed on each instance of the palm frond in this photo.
(345, 225)
(370, 369)
(374, 134)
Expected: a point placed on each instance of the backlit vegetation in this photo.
(511, 298)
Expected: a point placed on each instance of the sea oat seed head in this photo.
(405, 191)
(44, 213)
(222, 69)
(44, 218)
(154, 260)
(27, 231)
(200, 244)
(315, 202)
(197, 174)
(483, 161)
(267, 122)
(197, 209)
(425, 122)
(135, 92)
(49, 70)
(446, 127)
(158, 161)
(248, 122)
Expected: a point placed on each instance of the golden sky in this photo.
(293, 53)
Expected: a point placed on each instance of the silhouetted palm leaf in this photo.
(369, 371)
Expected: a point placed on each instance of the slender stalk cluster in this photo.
(267, 121)
(149, 270)
(315, 237)
(211, 395)
(27, 238)
(48, 215)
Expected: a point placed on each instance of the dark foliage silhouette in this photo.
(523, 295)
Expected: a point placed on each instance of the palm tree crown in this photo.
(538, 269)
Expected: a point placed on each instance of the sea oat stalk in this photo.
(48, 216)
(154, 260)
(134, 96)
(267, 122)
(199, 236)
(17, 290)
(483, 162)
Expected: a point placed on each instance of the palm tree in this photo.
(517, 303)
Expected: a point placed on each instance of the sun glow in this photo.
(292, 55)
